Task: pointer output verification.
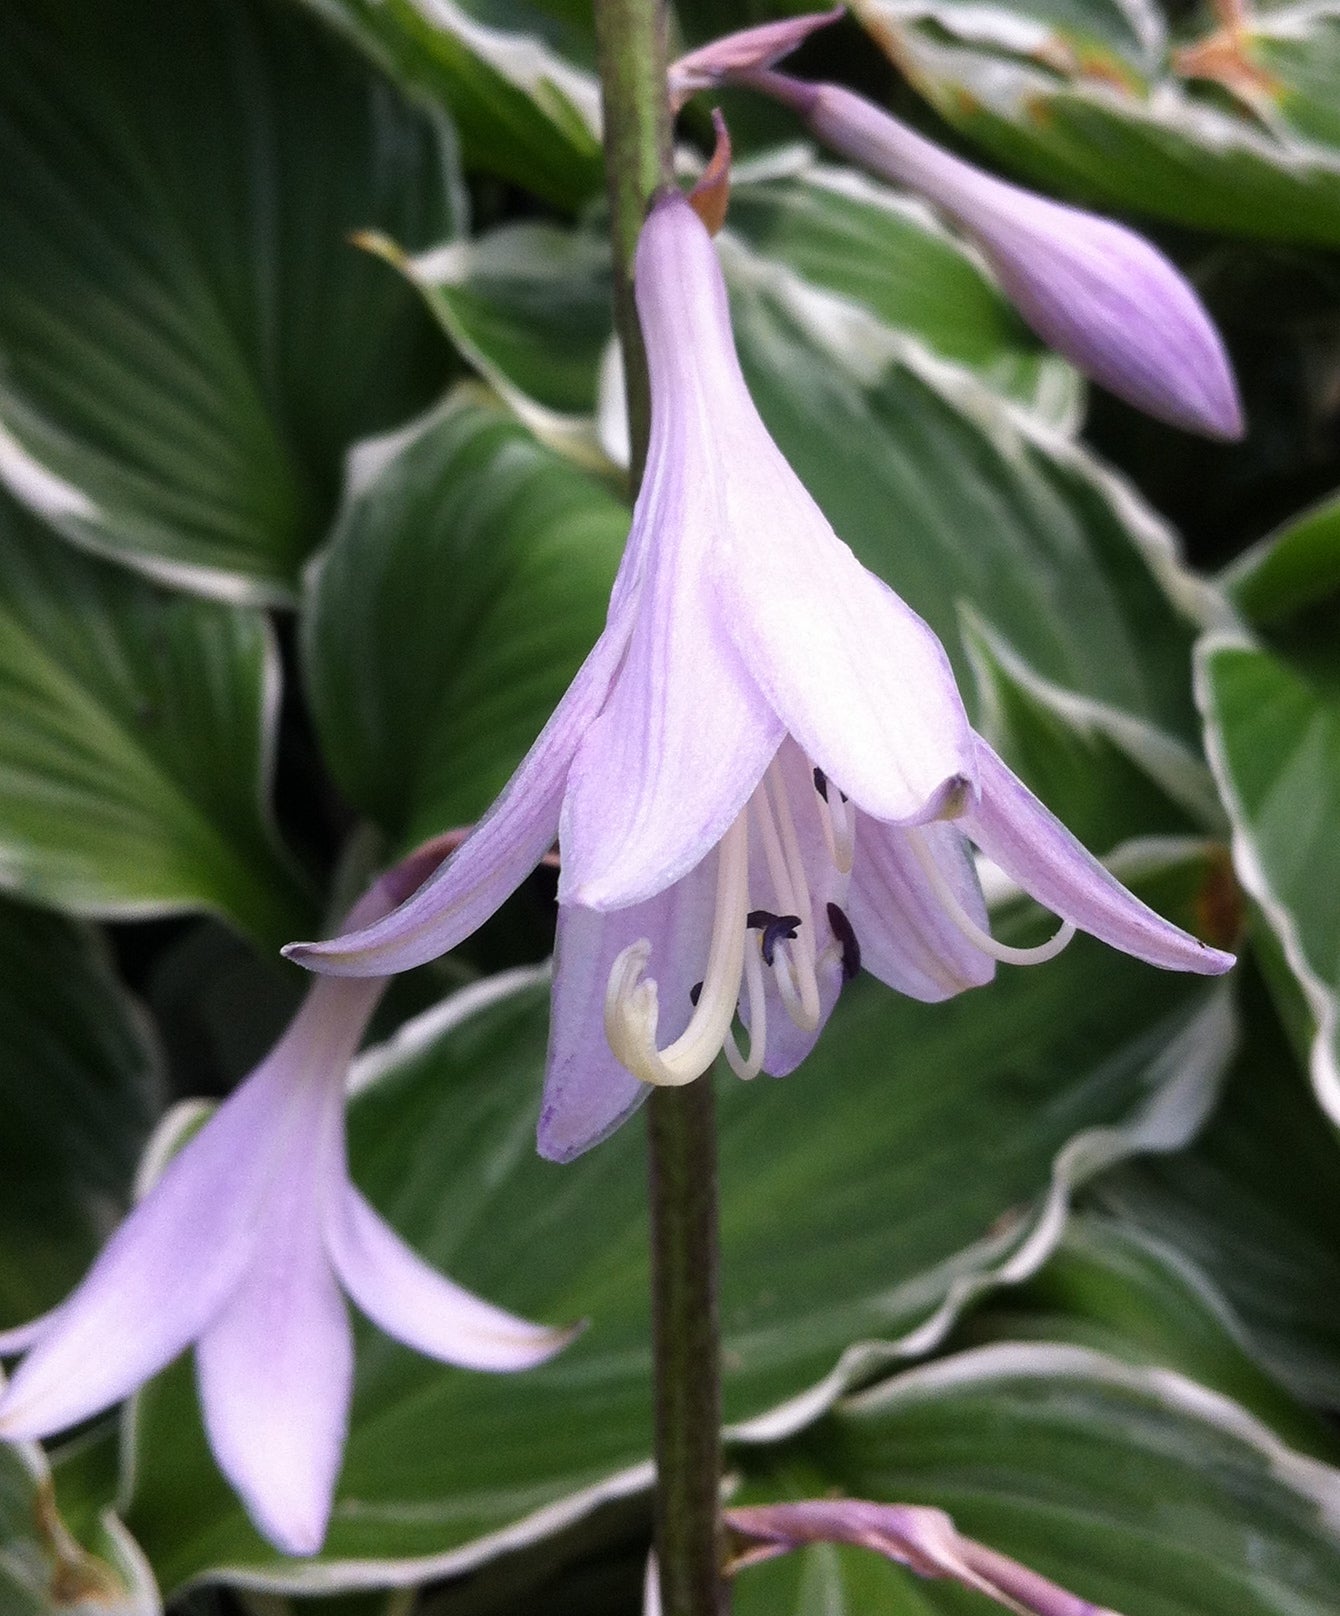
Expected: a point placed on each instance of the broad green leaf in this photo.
(80, 1084)
(1114, 1286)
(136, 744)
(954, 497)
(1252, 1204)
(525, 111)
(923, 1155)
(1293, 569)
(465, 581)
(528, 306)
(1273, 736)
(1094, 100)
(1136, 1488)
(1109, 775)
(190, 339)
(46, 1569)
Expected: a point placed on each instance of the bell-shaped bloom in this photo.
(761, 778)
(243, 1248)
(1093, 290)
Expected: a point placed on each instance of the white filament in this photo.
(1004, 952)
(758, 1016)
(631, 1006)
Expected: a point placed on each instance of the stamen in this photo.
(847, 940)
(793, 967)
(837, 820)
(775, 929)
(1004, 952)
(802, 1008)
(758, 1020)
(631, 1005)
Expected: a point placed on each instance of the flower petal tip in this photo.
(748, 51)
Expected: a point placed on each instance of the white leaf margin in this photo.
(1182, 1085)
(1322, 998)
(1311, 1478)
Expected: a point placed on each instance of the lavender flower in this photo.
(761, 778)
(242, 1247)
(1093, 290)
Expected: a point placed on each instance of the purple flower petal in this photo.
(506, 845)
(787, 1044)
(1093, 290)
(275, 1367)
(163, 1275)
(1035, 850)
(410, 1300)
(745, 51)
(587, 1093)
(907, 936)
(276, 1374)
(685, 734)
(854, 674)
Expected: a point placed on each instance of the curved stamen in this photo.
(1004, 952)
(775, 928)
(790, 985)
(802, 1005)
(837, 820)
(631, 1004)
(758, 1019)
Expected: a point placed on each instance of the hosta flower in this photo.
(243, 1248)
(1093, 290)
(761, 778)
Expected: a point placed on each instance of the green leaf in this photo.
(465, 581)
(525, 112)
(1118, 1288)
(1273, 736)
(923, 1155)
(1108, 775)
(1134, 1487)
(80, 1084)
(48, 1570)
(136, 744)
(1293, 569)
(954, 497)
(1252, 1204)
(191, 341)
(1092, 100)
(528, 306)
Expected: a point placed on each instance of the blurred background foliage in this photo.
(310, 505)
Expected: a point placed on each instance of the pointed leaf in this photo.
(190, 339)
(1136, 1488)
(1273, 735)
(80, 1086)
(921, 1154)
(508, 75)
(465, 581)
(1237, 136)
(135, 751)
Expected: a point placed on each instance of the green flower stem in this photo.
(689, 1541)
(631, 38)
(632, 41)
